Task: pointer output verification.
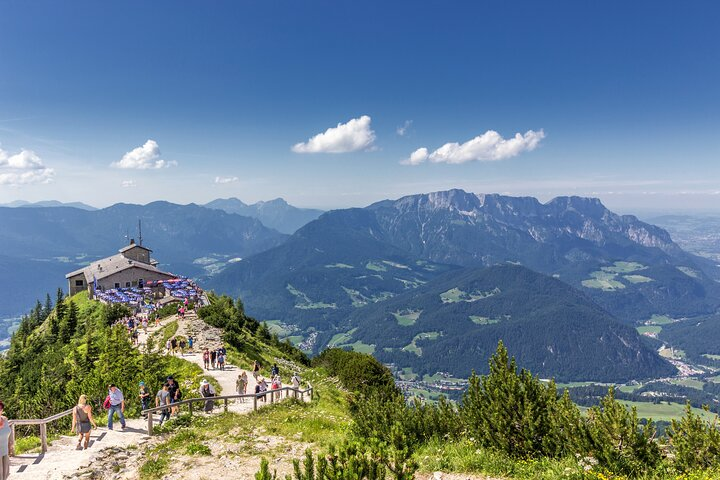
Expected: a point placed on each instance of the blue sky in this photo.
(620, 101)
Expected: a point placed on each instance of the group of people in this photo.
(175, 345)
(215, 358)
(261, 384)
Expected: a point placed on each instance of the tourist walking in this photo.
(274, 371)
(6, 444)
(256, 369)
(295, 380)
(262, 387)
(240, 386)
(117, 405)
(190, 343)
(168, 346)
(206, 359)
(173, 345)
(221, 360)
(213, 355)
(144, 398)
(82, 422)
(182, 345)
(276, 385)
(207, 391)
(163, 398)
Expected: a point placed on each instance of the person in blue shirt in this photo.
(117, 405)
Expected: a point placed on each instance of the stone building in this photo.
(132, 267)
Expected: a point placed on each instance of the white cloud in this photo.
(223, 180)
(24, 168)
(143, 158)
(352, 136)
(402, 130)
(128, 183)
(417, 157)
(488, 147)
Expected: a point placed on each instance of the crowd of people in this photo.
(215, 359)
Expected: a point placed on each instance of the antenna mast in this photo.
(140, 231)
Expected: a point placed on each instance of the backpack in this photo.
(106, 403)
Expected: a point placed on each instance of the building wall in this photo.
(132, 276)
(138, 254)
(74, 287)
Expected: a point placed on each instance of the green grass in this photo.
(407, 374)
(652, 329)
(279, 328)
(339, 265)
(341, 338)
(688, 271)
(459, 456)
(637, 278)
(376, 267)
(672, 353)
(361, 347)
(396, 265)
(407, 318)
(629, 388)
(624, 267)
(303, 302)
(357, 298)
(437, 378)
(664, 411)
(659, 320)
(412, 347)
(167, 331)
(688, 382)
(483, 320)
(604, 281)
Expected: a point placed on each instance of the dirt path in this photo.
(63, 461)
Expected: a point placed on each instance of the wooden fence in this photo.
(296, 392)
(43, 427)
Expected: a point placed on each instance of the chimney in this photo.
(132, 241)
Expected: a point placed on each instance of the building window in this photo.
(117, 285)
(79, 283)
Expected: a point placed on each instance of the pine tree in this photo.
(47, 308)
(68, 325)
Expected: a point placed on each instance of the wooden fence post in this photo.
(226, 405)
(43, 437)
(255, 402)
(190, 407)
(150, 423)
(12, 439)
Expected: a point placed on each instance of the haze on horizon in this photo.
(336, 105)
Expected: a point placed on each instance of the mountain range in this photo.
(277, 213)
(44, 243)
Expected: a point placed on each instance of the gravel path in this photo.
(63, 461)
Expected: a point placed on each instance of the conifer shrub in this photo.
(695, 442)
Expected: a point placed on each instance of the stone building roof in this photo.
(111, 265)
(131, 246)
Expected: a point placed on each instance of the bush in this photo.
(696, 442)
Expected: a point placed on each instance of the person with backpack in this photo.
(207, 391)
(190, 343)
(213, 355)
(256, 369)
(274, 371)
(82, 422)
(163, 398)
(295, 380)
(144, 398)
(116, 400)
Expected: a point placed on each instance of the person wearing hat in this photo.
(144, 397)
(206, 391)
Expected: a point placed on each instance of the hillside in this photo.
(324, 271)
(277, 214)
(187, 239)
(454, 322)
(631, 268)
